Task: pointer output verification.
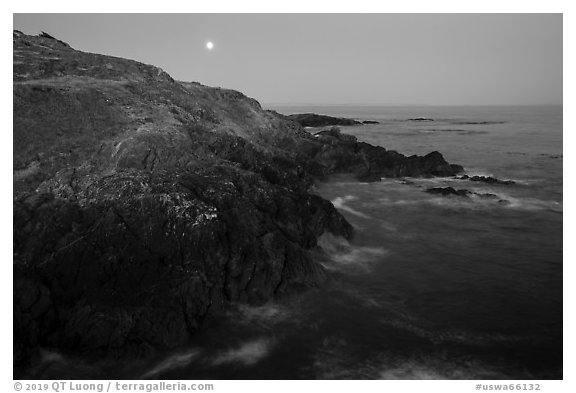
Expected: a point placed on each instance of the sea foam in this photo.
(340, 203)
(247, 354)
(172, 362)
(344, 256)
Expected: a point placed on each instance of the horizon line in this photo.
(395, 105)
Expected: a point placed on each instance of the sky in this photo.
(377, 59)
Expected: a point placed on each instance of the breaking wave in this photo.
(340, 203)
(246, 354)
(172, 362)
(344, 256)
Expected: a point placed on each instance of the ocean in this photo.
(430, 287)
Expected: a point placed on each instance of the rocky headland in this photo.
(315, 120)
(141, 203)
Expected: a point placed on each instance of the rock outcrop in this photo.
(344, 153)
(448, 191)
(142, 203)
(315, 120)
(486, 179)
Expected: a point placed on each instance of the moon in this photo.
(209, 45)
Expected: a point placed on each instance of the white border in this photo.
(244, 6)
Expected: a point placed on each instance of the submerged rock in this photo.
(486, 179)
(447, 191)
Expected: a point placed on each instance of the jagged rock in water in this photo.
(447, 191)
(343, 153)
(486, 179)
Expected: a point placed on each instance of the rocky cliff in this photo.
(142, 203)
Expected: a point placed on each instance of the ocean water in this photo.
(431, 287)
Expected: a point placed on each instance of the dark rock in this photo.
(46, 35)
(141, 203)
(341, 154)
(486, 179)
(448, 191)
(180, 245)
(315, 120)
(457, 168)
(488, 195)
(421, 119)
